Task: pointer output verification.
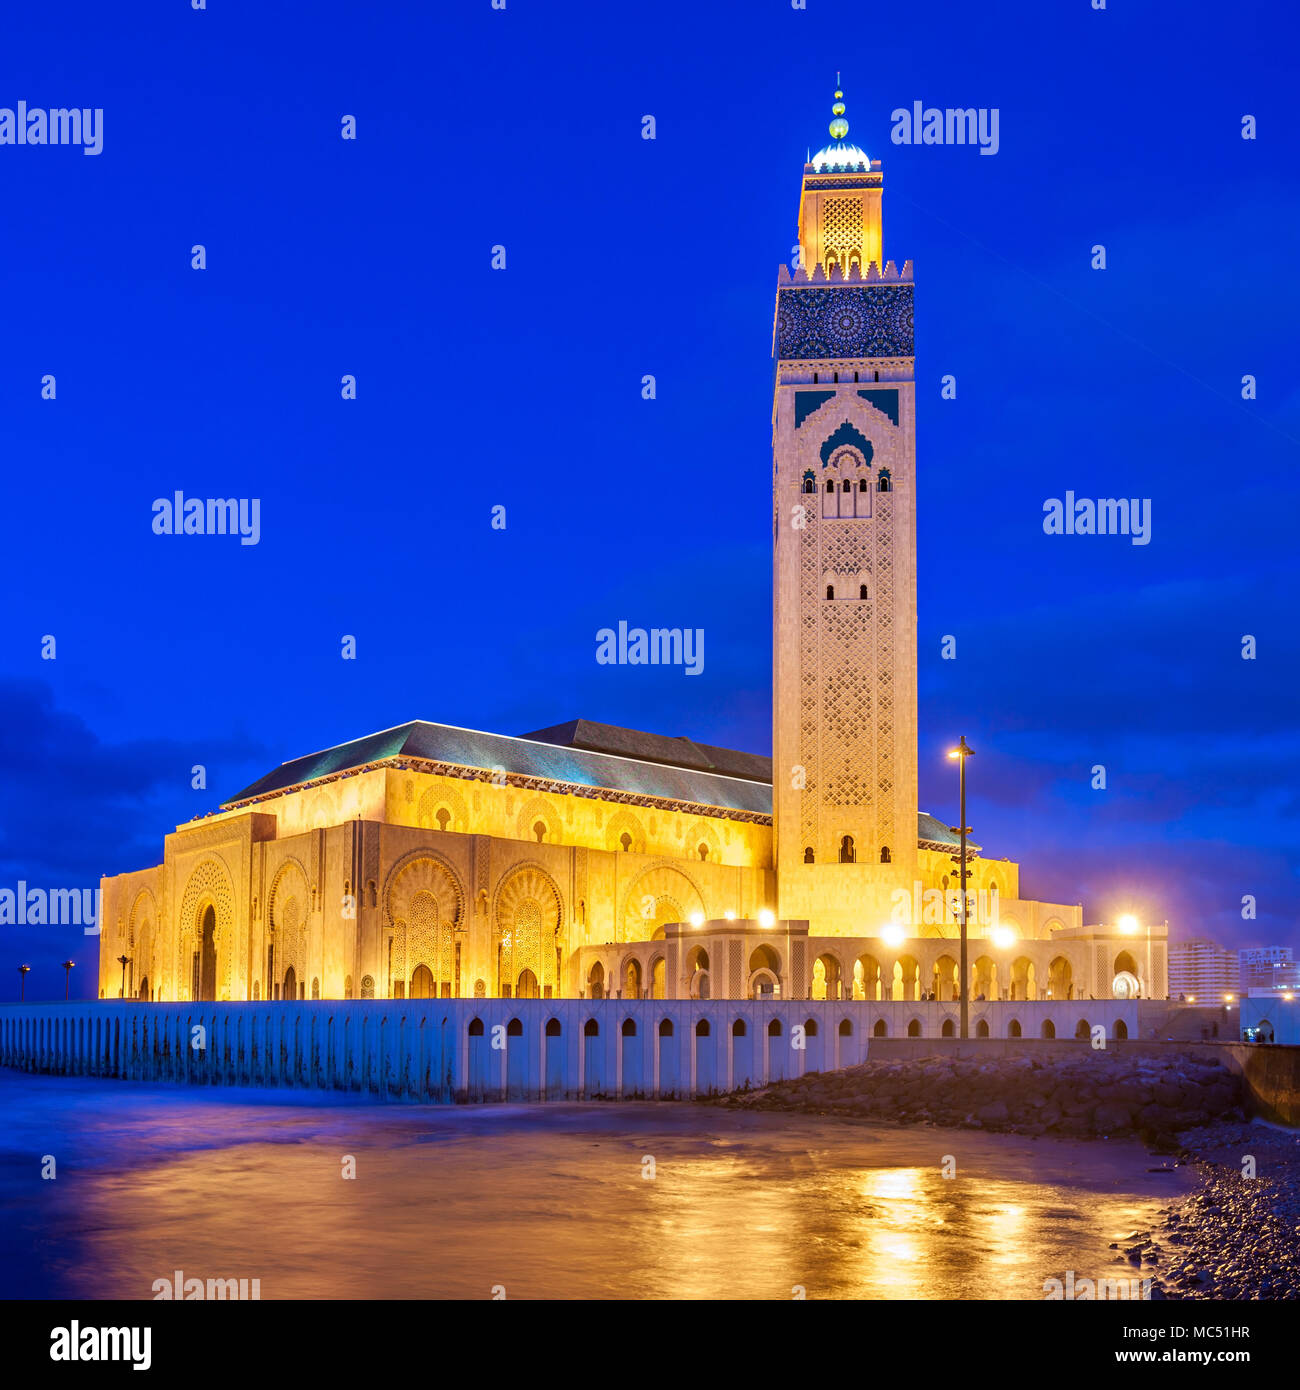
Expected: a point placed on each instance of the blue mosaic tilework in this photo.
(825, 321)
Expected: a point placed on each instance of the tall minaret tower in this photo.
(844, 515)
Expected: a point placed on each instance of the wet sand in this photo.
(552, 1201)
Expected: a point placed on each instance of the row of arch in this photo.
(884, 483)
(394, 1054)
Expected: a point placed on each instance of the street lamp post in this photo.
(961, 753)
(124, 961)
(22, 975)
(67, 977)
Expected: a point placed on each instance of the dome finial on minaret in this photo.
(839, 127)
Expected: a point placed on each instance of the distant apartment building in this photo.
(1268, 967)
(1203, 970)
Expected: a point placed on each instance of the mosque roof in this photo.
(591, 755)
(934, 834)
(581, 753)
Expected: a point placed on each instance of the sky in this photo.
(522, 388)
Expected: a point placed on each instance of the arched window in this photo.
(591, 1029)
(809, 482)
(884, 854)
(882, 483)
(666, 1028)
(539, 829)
(703, 850)
(862, 485)
(830, 591)
(553, 1028)
(367, 987)
(808, 855)
(515, 1028)
(848, 854)
(846, 1028)
(738, 1028)
(881, 1030)
(347, 988)
(774, 1028)
(443, 817)
(625, 840)
(629, 1028)
(847, 486)
(830, 485)
(476, 1027)
(862, 591)
(315, 987)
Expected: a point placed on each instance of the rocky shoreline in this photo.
(1238, 1237)
(1097, 1094)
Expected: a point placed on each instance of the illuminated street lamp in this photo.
(22, 975)
(961, 753)
(67, 977)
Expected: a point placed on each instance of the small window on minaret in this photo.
(830, 591)
(808, 855)
(830, 485)
(809, 483)
(884, 854)
(882, 484)
(847, 853)
(848, 486)
(862, 485)
(862, 591)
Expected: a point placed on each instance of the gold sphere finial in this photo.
(839, 127)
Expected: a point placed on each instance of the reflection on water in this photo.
(551, 1202)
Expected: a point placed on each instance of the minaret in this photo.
(844, 501)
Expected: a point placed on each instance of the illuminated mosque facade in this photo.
(591, 861)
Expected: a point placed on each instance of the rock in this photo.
(1110, 1115)
(995, 1113)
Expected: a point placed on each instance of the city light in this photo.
(767, 918)
(1003, 937)
(697, 919)
(1128, 924)
(731, 916)
(892, 935)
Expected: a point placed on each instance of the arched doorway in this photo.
(526, 988)
(144, 987)
(826, 978)
(1060, 978)
(1023, 982)
(945, 985)
(207, 954)
(290, 984)
(596, 981)
(422, 983)
(866, 978)
(632, 979)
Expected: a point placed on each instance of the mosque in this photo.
(586, 860)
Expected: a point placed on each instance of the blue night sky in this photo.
(523, 388)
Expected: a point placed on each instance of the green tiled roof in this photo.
(579, 753)
(703, 781)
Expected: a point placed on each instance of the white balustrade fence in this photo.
(502, 1049)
